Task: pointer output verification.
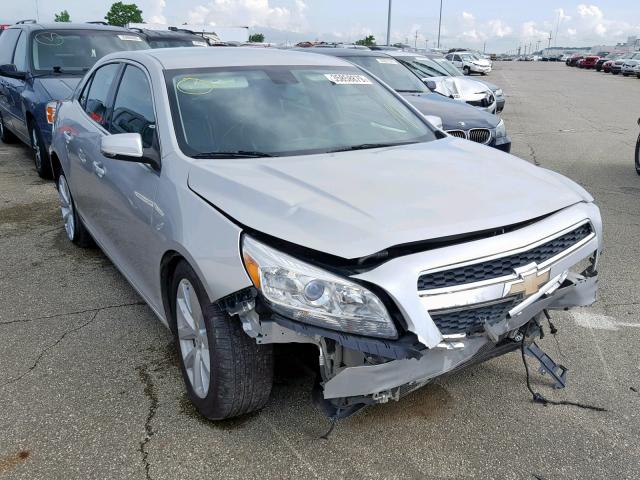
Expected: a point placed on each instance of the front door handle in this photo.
(67, 136)
(99, 170)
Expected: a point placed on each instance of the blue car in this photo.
(41, 64)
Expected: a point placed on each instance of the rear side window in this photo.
(133, 106)
(20, 55)
(8, 44)
(95, 103)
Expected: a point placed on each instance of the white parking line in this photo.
(596, 321)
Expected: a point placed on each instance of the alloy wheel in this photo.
(192, 336)
(66, 207)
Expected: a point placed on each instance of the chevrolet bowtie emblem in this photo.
(529, 282)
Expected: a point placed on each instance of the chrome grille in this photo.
(472, 320)
(480, 135)
(504, 266)
(458, 133)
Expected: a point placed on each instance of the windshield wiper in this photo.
(411, 91)
(234, 154)
(366, 146)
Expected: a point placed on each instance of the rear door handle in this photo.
(99, 170)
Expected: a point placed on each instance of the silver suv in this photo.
(255, 197)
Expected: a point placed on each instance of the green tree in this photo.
(120, 14)
(256, 37)
(367, 41)
(63, 16)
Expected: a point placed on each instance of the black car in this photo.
(171, 38)
(43, 63)
(458, 118)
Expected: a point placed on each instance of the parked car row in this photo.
(41, 64)
(260, 196)
(617, 63)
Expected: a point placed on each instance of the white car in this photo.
(470, 63)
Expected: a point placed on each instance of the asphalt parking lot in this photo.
(90, 385)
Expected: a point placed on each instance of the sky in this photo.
(500, 24)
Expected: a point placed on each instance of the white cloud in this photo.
(530, 30)
(590, 11)
(468, 18)
(499, 29)
(250, 13)
(155, 14)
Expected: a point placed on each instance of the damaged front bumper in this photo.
(454, 321)
(396, 378)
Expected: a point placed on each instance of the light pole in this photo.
(440, 24)
(389, 25)
(37, 14)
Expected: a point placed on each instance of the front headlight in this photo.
(312, 295)
(499, 93)
(501, 130)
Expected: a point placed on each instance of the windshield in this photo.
(75, 51)
(283, 110)
(425, 67)
(177, 42)
(449, 67)
(391, 72)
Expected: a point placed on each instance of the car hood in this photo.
(59, 88)
(451, 111)
(353, 204)
(460, 87)
(482, 61)
(491, 86)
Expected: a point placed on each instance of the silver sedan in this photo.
(257, 196)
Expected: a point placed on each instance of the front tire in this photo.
(466, 71)
(40, 155)
(226, 373)
(73, 226)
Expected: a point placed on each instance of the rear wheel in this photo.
(226, 372)
(40, 155)
(73, 226)
(5, 135)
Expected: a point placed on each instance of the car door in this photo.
(125, 192)
(15, 88)
(457, 61)
(8, 42)
(82, 136)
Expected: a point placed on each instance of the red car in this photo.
(589, 62)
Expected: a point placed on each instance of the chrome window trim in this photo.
(498, 280)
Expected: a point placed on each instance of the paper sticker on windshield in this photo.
(388, 61)
(129, 38)
(347, 79)
(49, 38)
(197, 43)
(202, 86)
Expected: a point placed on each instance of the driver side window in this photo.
(95, 99)
(133, 107)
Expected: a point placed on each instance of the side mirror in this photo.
(9, 70)
(431, 85)
(123, 146)
(435, 121)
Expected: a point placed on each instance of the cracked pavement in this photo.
(90, 387)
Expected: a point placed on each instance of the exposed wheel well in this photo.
(56, 167)
(168, 266)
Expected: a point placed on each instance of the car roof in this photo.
(67, 26)
(192, 58)
(160, 34)
(344, 52)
